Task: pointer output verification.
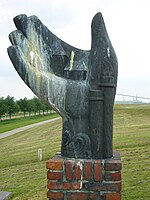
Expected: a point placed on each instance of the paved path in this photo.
(12, 132)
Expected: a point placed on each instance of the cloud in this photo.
(16, 89)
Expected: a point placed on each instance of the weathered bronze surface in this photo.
(80, 85)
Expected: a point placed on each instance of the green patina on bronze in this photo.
(80, 85)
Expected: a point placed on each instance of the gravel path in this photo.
(12, 132)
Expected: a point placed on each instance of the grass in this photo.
(132, 137)
(7, 125)
(20, 171)
(22, 174)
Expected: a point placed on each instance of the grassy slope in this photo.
(7, 125)
(20, 171)
(22, 174)
(132, 137)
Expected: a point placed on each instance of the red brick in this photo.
(54, 164)
(70, 170)
(97, 170)
(87, 173)
(58, 185)
(112, 165)
(78, 171)
(112, 187)
(112, 196)
(63, 185)
(55, 195)
(54, 175)
(75, 186)
(116, 176)
(94, 187)
(81, 196)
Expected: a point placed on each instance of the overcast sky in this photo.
(127, 22)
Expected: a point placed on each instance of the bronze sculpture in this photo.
(80, 85)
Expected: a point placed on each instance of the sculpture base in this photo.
(83, 179)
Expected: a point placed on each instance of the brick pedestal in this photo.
(81, 179)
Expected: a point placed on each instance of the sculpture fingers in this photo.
(99, 32)
(46, 86)
(34, 52)
(31, 61)
(58, 52)
(17, 38)
(21, 22)
(28, 74)
(103, 60)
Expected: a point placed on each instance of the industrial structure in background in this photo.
(131, 99)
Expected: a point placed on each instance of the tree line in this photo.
(11, 106)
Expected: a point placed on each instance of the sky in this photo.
(127, 23)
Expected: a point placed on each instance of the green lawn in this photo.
(22, 174)
(132, 137)
(7, 125)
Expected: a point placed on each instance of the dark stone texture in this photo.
(80, 85)
(5, 195)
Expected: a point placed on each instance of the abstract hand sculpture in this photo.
(80, 85)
